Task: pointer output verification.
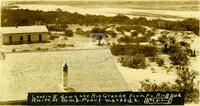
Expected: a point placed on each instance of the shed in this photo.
(24, 34)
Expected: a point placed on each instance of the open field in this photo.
(89, 70)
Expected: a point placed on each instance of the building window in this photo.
(40, 37)
(21, 39)
(29, 38)
(10, 39)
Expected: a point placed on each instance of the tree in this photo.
(98, 34)
(69, 33)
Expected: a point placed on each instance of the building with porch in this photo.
(24, 34)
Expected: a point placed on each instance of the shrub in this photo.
(160, 61)
(13, 50)
(191, 24)
(113, 34)
(61, 45)
(79, 31)
(26, 50)
(70, 45)
(128, 28)
(124, 28)
(38, 49)
(184, 44)
(132, 50)
(52, 37)
(139, 29)
(137, 61)
(140, 39)
(184, 83)
(69, 33)
(149, 34)
(153, 87)
(65, 38)
(2, 56)
(153, 58)
(162, 39)
(134, 34)
(179, 58)
(125, 39)
(171, 49)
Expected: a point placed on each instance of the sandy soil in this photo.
(89, 70)
(157, 74)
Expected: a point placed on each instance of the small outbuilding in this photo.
(24, 34)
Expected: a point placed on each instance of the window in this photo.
(29, 38)
(10, 39)
(40, 38)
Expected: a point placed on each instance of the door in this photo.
(29, 38)
(21, 39)
(40, 38)
(10, 39)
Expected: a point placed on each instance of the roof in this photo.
(89, 71)
(24, 29)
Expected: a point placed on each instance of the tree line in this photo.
(61, 18)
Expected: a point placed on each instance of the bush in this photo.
(171, 49)
(160, 61)
(132, 50)
(2, 56)
(125, 39)
(162, 39)
(38, 49)
(179, 58)
(137, 61)
(153, 87)
(140, 39)
(52, 37)
(139, 29)
(184, 83)
(184, 44)
(172, 40)
(153, 58)
(128, 28)
(26, 50)
(79, 31)
(13, 50)
(42, 49)
(112, 33)
(61, 45)
(149, 34)
(134, 34)
(69, 33)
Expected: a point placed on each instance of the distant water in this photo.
(107, 11)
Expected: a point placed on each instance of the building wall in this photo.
(16, 38)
